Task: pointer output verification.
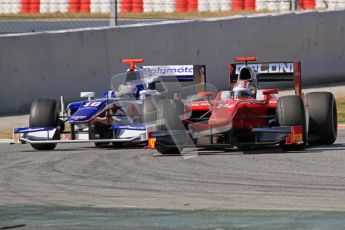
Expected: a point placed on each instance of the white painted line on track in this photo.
(6, 141)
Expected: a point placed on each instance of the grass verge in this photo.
(341, 108)
(6, 134)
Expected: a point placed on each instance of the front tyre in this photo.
(44, 113)
(103, 132)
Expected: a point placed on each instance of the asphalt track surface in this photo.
(80, 174)
(83, 176)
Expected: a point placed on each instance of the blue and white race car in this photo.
(122, 115)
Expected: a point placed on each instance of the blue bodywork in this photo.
(128, 127)
(82, 111)
(114, 117)
(32, 130)
(86, 109)
(74, 106)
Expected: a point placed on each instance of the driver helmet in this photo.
(132, 85)
(126, 89)
(246, 85)
(244, 89)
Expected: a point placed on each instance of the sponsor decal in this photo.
(225, 106)
(169, 70)
(286, 67)
(128, 127)
(78, 117)
(199, 104)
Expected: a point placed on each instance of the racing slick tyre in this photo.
(104, 133)
(116, 145)
(168, 150)
(149, 109)
(323, 123)
(168, 119)
(44, 113)
(290, 112)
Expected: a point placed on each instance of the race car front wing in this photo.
(289, 135)
(48, 135)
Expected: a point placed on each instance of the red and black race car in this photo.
(246, 115)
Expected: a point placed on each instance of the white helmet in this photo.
(246, 85)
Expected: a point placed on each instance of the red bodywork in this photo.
(241, 121)
(243, 114)
(239, 113)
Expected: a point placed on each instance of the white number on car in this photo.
(92, 104)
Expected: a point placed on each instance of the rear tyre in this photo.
(290, 112)
(323, 121)
(44, 113)
(168, 119)
(244, 147)
(167, 150)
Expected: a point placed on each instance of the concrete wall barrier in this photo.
(65, 63)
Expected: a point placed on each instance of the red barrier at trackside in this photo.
(25, 6)
(181, 5)
(249, 5)
(85, 6)
(74, 6)
(237, 5)
(34, 6)
(306, 4)
(192, 5)
(137, 6)
(126, 6)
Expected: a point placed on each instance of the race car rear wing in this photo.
(167, 75)
(271, 72)
(183, 73)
